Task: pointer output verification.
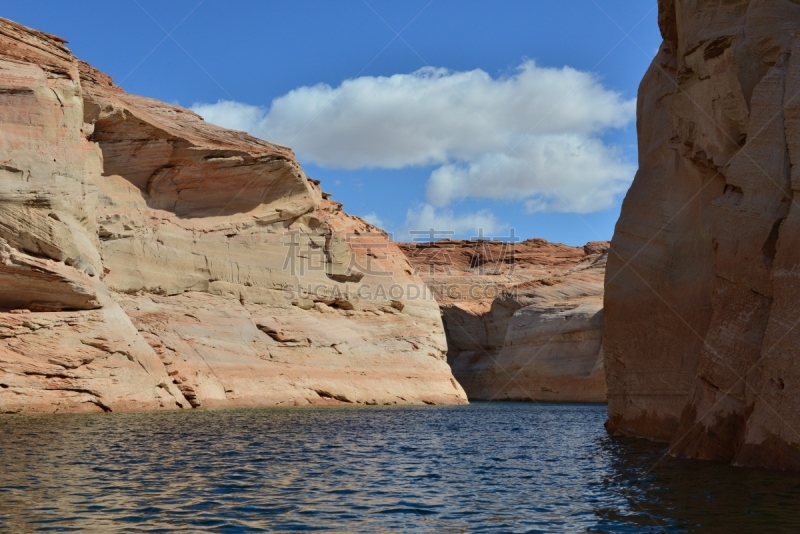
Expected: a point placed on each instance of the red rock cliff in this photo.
(523, 321)
(703, 278)
(151, 260)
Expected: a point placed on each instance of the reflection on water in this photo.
(484, 467)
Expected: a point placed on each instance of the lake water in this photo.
(492, 467)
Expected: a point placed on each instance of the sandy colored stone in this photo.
(700, 287)
(522, 323)
(150, 260)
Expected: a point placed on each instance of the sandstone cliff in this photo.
(702, 284)
(151, 260)
(523, 321)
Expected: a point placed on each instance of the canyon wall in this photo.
(524, 320)
(151, 260)
(703, 279)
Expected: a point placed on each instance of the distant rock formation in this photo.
(702, 296)
(151, 260)
(523, 321)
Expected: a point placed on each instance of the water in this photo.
(498, 467)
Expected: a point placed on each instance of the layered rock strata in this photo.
(151, 260)
(523, 321)
(703, 275)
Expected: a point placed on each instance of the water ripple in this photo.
(482, 468)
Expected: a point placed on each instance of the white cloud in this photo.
(566, 172)
(373, 219)
(445, 224)
(233, 115)
(547, 120)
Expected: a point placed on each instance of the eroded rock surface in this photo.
(523, 322)
(151, 260)
(702, 284)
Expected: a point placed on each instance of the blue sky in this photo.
(522, 116)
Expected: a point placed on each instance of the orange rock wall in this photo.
(149, 260)
(523, 321)
(700, 305)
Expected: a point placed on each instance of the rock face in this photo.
(703, 278)
(523, 321)
(151, 260)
